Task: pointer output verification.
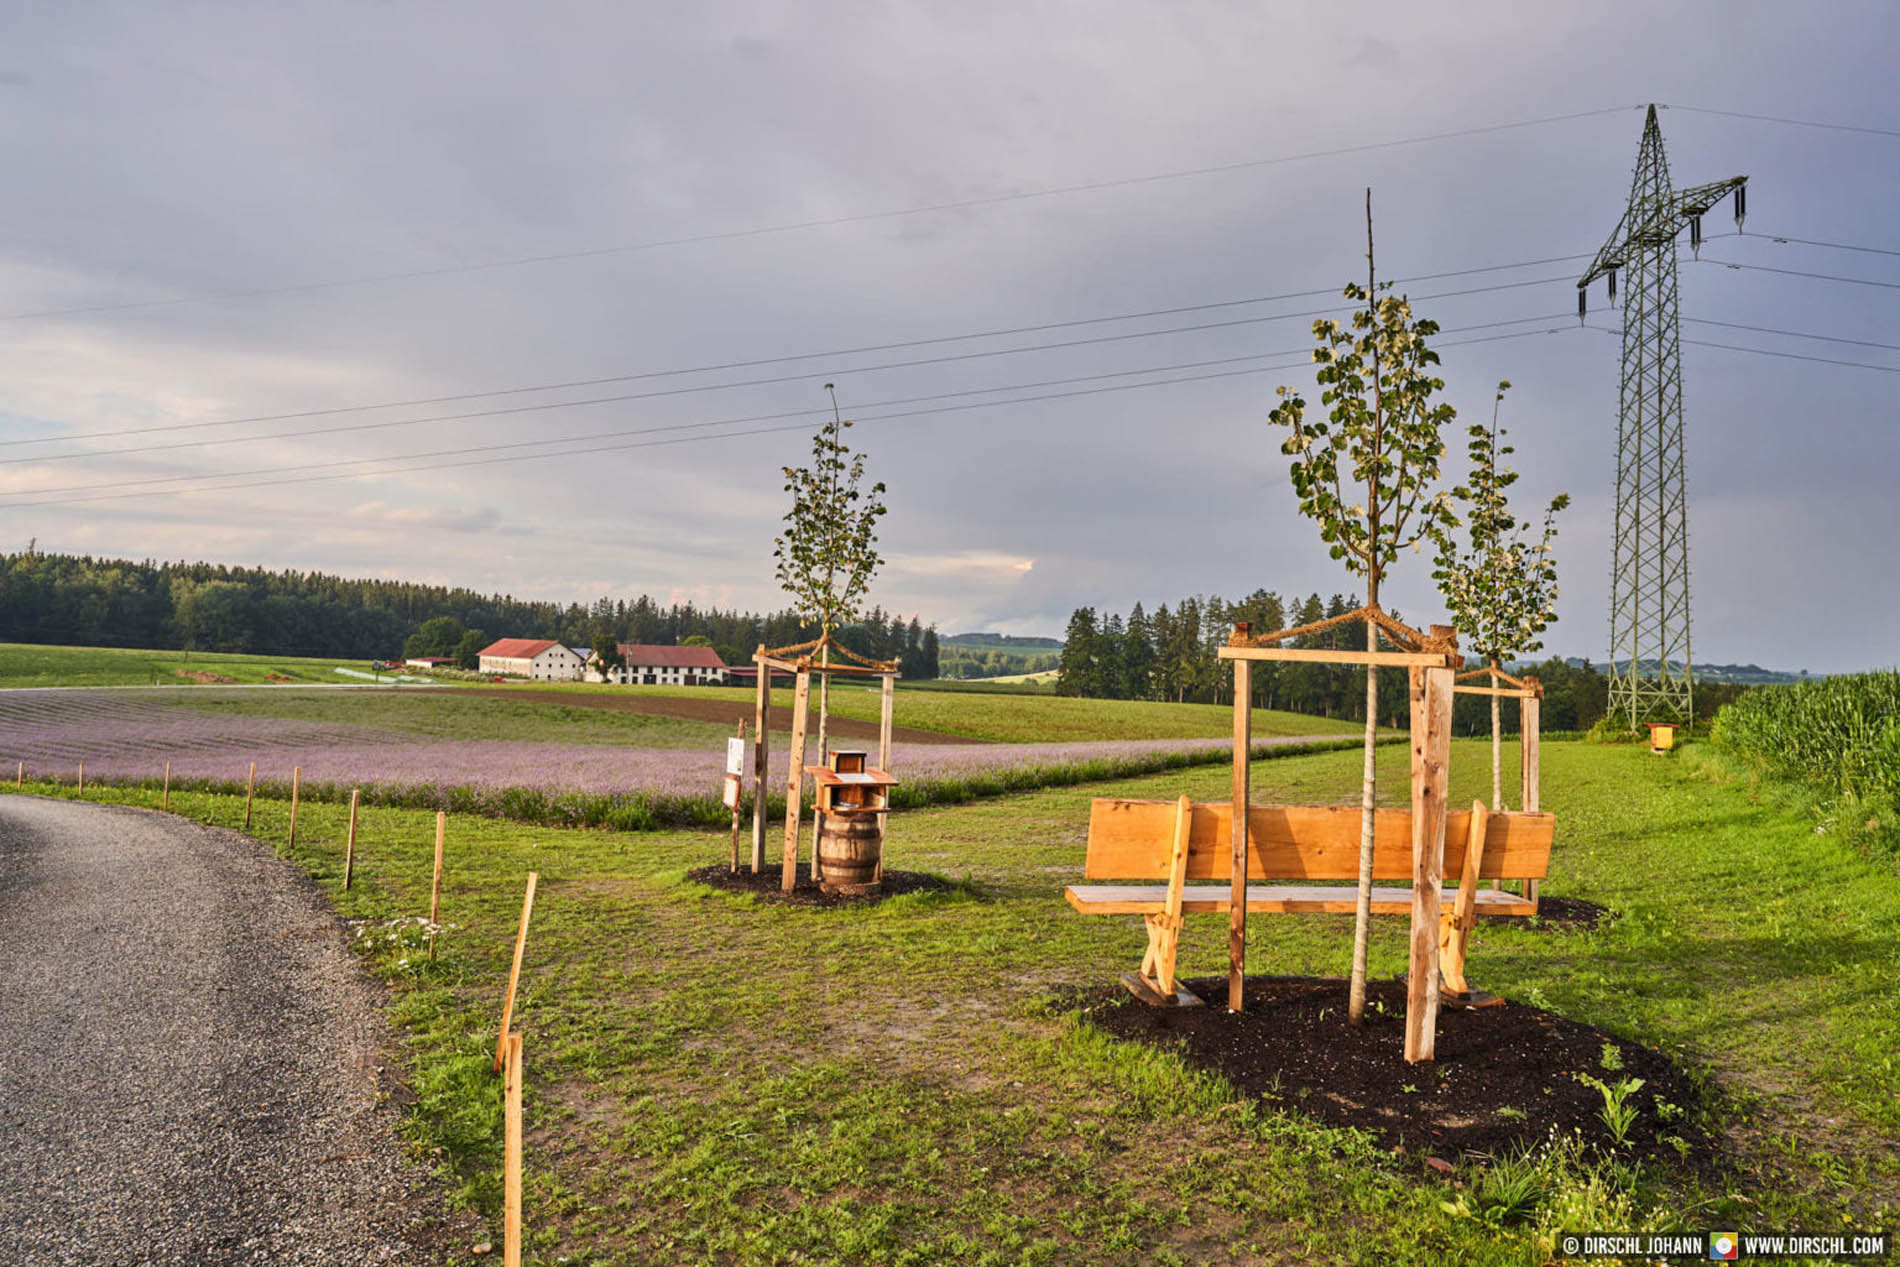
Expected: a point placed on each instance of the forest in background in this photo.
(77, 600)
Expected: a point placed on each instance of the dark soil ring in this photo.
(1504, 1076)
(1558, 915)
(806, 892)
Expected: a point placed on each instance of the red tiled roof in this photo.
(518, 648)
(639, 655)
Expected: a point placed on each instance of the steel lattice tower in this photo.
(1651, 672)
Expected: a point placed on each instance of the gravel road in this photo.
(192, 1063)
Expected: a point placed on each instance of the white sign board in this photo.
(729, 794)
(735, 756)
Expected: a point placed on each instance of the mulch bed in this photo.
(1558, 915)
(806, 892)
(1292, 1046)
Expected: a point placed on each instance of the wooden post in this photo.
(1431, 693)
(1237, 901)
(165, 801)
(250, 786)
(801, 700)
(511, 1158)
(296, 785)
(824, 720)
(733, 866)
(82, 776)
(514, 975)
(349, 848)
(1528, 739)
(435, 886)
(761, 771)
(19, 779)
(884, 762)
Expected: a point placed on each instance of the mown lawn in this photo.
(28, 664)
(714, 1079)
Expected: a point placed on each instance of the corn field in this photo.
(1843, 732)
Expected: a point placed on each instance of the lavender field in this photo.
(127, 737)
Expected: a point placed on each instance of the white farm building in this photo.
(538, 659)
(670, 666)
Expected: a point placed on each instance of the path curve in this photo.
(192, 1061)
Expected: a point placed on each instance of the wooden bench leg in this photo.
(1454, 940)
(1155, 984)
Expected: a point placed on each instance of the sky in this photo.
(218, 212)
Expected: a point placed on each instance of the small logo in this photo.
(1724, 1246)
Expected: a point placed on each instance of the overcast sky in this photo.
(162, 159)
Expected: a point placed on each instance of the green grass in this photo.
(26, 664)
(460, 715)
(715, 1079)
(1020, 717)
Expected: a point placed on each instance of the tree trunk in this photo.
(824, 706)
(1368, 793)
(1497, 755)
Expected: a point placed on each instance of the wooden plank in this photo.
(1302, 655)
(1275, 899)
(165, 802)
(296, 785)
(1171, 909)
(801, 701)
(514, 974)
(1238, 820)
(1431, 761)
(511, 1158)
(1528, 725)
(349, 849)
(435, 885)
(1455, 926)
(761, 764)
(887, 699)
(1129, 839)
(250, 788)
(1503, 691)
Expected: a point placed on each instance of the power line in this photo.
(430, 465)
(1794, 334)
(1799, 123)
(758, 362)
(1786, 356)
(1795, 272)
(1838, 246)
(828, 222)
(680, 391)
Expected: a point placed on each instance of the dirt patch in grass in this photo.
(1504, 1077)
(724, 712)
(806, 891)
(202, 677)
(1558, 915)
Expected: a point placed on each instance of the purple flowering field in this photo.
(124, 737)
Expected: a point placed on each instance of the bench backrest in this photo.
(1134, 840)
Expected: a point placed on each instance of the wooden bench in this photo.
(1180, 842)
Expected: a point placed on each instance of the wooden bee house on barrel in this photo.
(853, 798)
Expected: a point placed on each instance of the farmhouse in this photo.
(671, 666)
(430, 662)
(540, 659)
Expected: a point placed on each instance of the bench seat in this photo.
(1301, 899)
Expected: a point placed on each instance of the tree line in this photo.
(1170, 654)
(79, 600)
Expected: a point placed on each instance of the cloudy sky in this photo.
(217, 212)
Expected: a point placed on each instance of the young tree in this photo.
(1364, 473)
(828, 553)
(1501, 590)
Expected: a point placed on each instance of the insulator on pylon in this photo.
(1612, 285)
(1695, 235)
(1741, 206)
(1583, 304)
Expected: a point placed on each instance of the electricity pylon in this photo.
(1651, 675)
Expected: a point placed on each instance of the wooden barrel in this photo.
(848, 849)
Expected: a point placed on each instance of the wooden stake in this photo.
(296, 783)
(250, 786)
(514, 974)
(82, 776)
(1431, 754)
(511, 1158)
(19, 779)
(733, 866)
(761, 770)
(1237, 901)
(349, 848)
(884, 762)
(1528, 738)
(801, 700)
(824, 757)
(165, 802)
(435, 886)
